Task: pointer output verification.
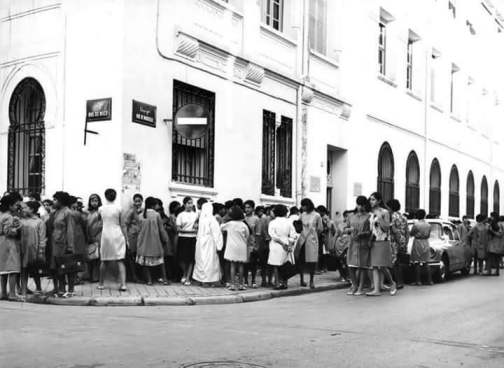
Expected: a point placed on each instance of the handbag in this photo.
(289, 268)
(69, 263)
(93, 251)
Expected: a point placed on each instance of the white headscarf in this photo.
(208, 227)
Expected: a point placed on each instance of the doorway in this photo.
(337, 174)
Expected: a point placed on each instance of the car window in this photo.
(435, 233)
(448, 232)
(456, 234)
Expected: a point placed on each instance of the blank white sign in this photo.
(192, 121)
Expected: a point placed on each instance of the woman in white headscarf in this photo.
(208, 242)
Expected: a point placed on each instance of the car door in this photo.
(455, 250)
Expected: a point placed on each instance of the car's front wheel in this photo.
(441, 273)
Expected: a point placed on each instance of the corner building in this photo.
(272, 100)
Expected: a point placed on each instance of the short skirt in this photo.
(358, 254)
(186, 249)
(381, 254)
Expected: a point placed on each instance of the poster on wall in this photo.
(132, 173)
(143, 113)
(99, 109)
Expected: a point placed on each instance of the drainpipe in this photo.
(426, 124)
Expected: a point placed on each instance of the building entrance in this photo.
(337, 173)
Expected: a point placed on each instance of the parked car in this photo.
(448, 253)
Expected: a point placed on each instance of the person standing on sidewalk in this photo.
(496, 233)
(381, 251)
(236, 247)
(359, 230)
(113, 239)
(10, 257)
(252, 222)
(94, 230)
(399, 237)
(309, 238)
(478, 238)
(132, 222)
(61, 232)
(420, 252)
(186, 224)
(208, 242)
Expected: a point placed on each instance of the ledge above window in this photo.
(280, 36)
(276, 200)
(436, 107)
(455, 117)
(191, 190)
(387, 79)
(326, 59)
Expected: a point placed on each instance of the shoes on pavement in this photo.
(373, 293)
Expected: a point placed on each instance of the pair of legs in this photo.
(122, 273)
(187, 268)
(24, 282)
(357, 279)
(130, 261)
(379, 275)
(148, 275)
(11, 279)
(266, 271)
(493, 262)
(478, 266)
(62, 282)
(236, 267)
(92, 267)
(418, 273)
(310, 267)
(252, 267)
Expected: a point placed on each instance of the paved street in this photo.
(456, 324)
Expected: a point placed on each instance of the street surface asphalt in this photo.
(459, 323)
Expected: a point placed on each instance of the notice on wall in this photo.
(99, 110)
(357, 189)
(315, 184)
(132, 173)
(143, 113)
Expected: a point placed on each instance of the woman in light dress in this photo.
(113, 239)
(208, 242)
(283, 237)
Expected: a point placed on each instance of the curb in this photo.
(255, 296)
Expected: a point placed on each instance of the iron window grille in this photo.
(382, 48)
(385, 184)
(496, 198)
(412, 183)
(470, 196)
(454, 200)
(193, 159)
(26, 138)
(409, 65)
(435, 189)
(484, 197)
(276, 155)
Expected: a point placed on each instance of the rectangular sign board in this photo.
(99, 109)
(143, 113)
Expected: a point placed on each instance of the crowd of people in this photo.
(232, 244)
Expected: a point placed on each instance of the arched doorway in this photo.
(484, 196)
(26, 142)
(412, 183)
(470, 195)
(454, 200)
(496, 198)
(435, 189)
(386, 172)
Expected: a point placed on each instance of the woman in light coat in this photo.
(208, 242)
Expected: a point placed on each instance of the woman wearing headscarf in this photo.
(208, 242)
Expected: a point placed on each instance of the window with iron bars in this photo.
(193, 159)
(470, 195)
(435, 189)
(454, 200)
(277, 155)
(484, 197)
(409, 65)
(385, 182)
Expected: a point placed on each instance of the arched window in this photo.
(496, 198)
(453, 205)
(435, 189)
(470, 195)
(386, 172)
(484, 197)
(26, 140)
(412, 183)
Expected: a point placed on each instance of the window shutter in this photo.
(268, 156)
(284, 159)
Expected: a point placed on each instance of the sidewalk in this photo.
(87, 294)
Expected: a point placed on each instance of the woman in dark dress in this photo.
(420, 252)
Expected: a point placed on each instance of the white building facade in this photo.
(272, 100)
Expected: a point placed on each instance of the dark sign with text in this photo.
(144, 114)
(99, 110)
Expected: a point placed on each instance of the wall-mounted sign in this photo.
(99, 110)
(315, 184)
(191, 121)
(143, 113)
